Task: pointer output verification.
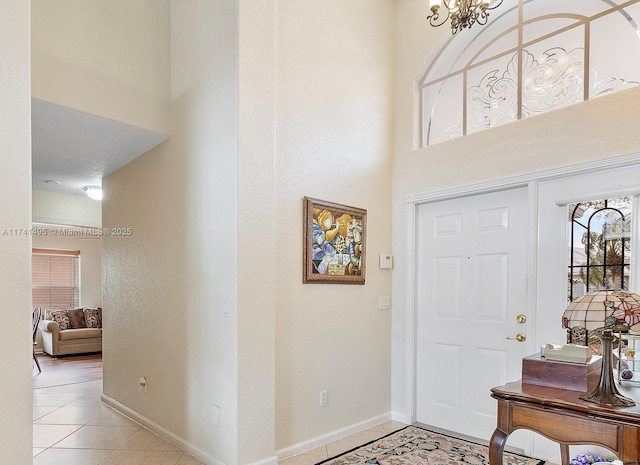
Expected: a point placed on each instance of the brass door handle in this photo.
(520, 337)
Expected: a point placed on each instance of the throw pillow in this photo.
(76, 318)
(93, 317)
(62, 318)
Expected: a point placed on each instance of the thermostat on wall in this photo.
(386, 261)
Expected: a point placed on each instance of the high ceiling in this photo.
(71, 149)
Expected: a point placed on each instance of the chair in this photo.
(36, 319)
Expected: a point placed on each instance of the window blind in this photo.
(55, 278)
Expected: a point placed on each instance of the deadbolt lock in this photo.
(521, 318)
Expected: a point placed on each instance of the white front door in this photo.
(471, 283)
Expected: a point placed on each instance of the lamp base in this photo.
(608, 399)
(606, 393)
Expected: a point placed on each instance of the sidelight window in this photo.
(600, 246)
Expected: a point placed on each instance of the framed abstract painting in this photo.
(334, 243)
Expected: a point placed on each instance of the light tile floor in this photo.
(338, 447)
(72, 427)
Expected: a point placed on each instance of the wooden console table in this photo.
(561, 416)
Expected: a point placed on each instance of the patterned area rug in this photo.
(416, 446)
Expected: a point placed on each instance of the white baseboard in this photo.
(268, 461)
(280, 454)
(332, 436)
(401, 417)
(168, 435)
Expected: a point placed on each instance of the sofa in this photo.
(68, 331)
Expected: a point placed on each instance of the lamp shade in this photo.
(607, 308)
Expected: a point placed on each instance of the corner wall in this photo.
(166, 287)
(16, 364)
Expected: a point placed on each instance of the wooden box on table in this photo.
(564, 375)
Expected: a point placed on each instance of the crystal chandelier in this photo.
(463, 13)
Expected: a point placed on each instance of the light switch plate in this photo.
(383, 303)
(386, 261)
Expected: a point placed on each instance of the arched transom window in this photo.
(530, 58)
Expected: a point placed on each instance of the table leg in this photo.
(564, 454)
(496, 446)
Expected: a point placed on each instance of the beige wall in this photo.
(602, 128)
(15, 251)
(72, 210)
(109, 59)
(333, 86)
(256, 233)
(166, 286)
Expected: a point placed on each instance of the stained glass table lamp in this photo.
(600, 313)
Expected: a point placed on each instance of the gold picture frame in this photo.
(334, 243)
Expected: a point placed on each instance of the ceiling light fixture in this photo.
(463, 13)
(94, 192)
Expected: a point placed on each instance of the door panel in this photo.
(471, 284)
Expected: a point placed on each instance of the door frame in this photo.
(531, 181)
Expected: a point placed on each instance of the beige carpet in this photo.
(417, 446)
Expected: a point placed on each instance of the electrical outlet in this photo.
(323, 399)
